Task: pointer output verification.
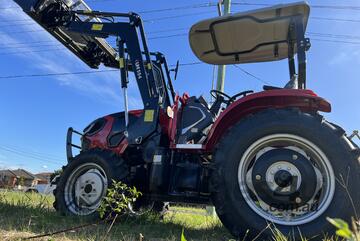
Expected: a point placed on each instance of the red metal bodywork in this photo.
(99, 140)
(305, 100)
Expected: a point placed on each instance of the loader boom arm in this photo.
(91, 50)
(128, 35)
(84, 34)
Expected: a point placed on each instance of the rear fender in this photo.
(305, 100)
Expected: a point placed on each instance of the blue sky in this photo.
(36, 112)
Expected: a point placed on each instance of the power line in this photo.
(31, 156)
(63, 49)
(329, 35)
(79, 72)
(33, 42)
(187, 64)
(335, 41)
(11, 7)
(17, 20)
(176, 16)
(201, 5)
(34, 155)
(55, 74)
(250, 74)
(145, 21)
(179, 16)
(342, 37)
(336, 19)
(149, 33)
(184, 34)
(15, 25)
(32, 151)
(336, 7)
(192, 6)
(333, 7)
(211, 4)
(32, 46)
(169, 36)
(167, 30)
(151, 20)
(27, 31)
(34, 51)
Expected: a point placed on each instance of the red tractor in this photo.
(259, 158)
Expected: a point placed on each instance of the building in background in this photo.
(7, 179)
(43, 178)
(24, 178)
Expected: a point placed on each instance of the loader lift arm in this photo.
(128, 34)
(84, 34)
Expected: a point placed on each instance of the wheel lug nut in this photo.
(294, 157)
(279, 167)
(258, 177)
(298, 200)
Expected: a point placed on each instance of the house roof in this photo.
(23, 173)
(7, 173)
(43, 175)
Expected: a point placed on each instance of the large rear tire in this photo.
(85, 180)
(286, 168)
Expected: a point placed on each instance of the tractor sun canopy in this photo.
(254, 36)
(91, 50)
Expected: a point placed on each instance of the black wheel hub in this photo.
(287, 190)
(283, 178)
(88, 188)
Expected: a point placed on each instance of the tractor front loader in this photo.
(259, 158)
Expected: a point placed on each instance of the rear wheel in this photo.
(287, 168)
(85, 180)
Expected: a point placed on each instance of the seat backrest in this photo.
(195, 118)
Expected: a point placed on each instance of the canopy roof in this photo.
(253, 36)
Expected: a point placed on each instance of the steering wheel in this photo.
(217, 93)
(226, 98)
(244, 93)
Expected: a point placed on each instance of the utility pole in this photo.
(220, 80)
(222, 68)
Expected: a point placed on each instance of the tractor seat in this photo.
(196, 120)
(292, 84)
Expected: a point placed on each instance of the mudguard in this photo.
(305, 100)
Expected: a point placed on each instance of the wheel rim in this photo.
(85, 188)
(291, 215)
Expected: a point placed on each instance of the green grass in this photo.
(23, 215)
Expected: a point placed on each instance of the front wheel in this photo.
(288, 169)
(85, 180)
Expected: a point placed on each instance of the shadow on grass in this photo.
(43, 219)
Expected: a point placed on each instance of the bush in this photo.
(118, 199)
